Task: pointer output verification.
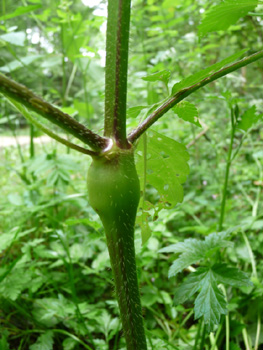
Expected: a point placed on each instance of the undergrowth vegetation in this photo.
(199, 227)
(56, 283)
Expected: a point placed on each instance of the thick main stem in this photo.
(114, 194)
(122, 256)
(117, 43)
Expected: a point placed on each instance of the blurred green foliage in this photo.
(56, 289)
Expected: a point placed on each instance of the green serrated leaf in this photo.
(195, 78)
(228, 12)
(167, 166)
(188, 112)
(190, 285)
(183, 262)
(231, 276)
(14, 283)
(44, 342)
(193, 250)
(163, 75)
(248, 119)
(210, 302)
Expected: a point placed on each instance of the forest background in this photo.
(56, 286)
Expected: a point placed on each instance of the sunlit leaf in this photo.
(133, 112)
(14, 38)
(163, 75)
(228, 12)
(23, 61)
(249, 118)
(21, 10)
(188, 112)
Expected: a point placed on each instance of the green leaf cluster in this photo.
(210, 302)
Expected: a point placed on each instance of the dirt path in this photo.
(7, 141)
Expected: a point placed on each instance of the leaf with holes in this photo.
(166, 166)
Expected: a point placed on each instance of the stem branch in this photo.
(182, 94)
(23, 95)
(228, 165)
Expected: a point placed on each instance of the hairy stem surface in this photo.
(24, 96)
(114, 194)
(117, 43)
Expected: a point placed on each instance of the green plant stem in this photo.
(197, 337)
(203, 338)
(213, 341)
(182, 94)
(251, 255)
(117, 43)
(215, 338)
(114, 193)
(182, 324)
(32, 147)
(228, 165)
(227, 321)
(257, 201)
(122, 256)
(63, 85)
(24, 96)
(258, 330)
(245, 338)
(70, 81)
(20, 153)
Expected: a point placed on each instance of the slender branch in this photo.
(227, 171)
(182, 94)
(117, 43)
(47, 131)
(24, 96)
(203, 132)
